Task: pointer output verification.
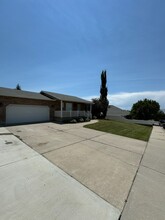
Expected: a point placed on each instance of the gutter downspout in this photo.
(90, 110)
(61, 109)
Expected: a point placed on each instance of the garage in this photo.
(26, 113)
(20, 106)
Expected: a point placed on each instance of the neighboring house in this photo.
(115, 113)
(18, 106)
(69, 106)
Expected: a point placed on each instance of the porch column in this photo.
(90, 115)
(61, 108)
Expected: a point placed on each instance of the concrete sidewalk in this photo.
(31, 187)
(147, 197)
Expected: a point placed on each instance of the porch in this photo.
(72, 114)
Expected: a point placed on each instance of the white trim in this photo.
(61, 109)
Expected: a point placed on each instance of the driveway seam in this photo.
(83, 137)
(117, 147)
(16, 161)
(63, 147)
(153, 170)
(115, 157)
(159, 139)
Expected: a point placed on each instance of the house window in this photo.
(68, 106)
(78, 107)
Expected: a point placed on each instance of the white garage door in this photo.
(26, 113)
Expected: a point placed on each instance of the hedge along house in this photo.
(18, 107)
(67, 107)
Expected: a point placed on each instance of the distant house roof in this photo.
(115, 111)
(63, 97)
(22, 94)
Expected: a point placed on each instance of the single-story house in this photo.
(18, 106)
(67, 106)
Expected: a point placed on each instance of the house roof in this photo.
(63, 97)
(115, 111)
(22, 94)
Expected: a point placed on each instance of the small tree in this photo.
(18, 87)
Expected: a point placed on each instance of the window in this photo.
(78, 107)
(68, 106)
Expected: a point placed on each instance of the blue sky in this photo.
(63, 45)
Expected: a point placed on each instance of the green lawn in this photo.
(131, 130)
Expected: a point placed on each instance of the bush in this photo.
(80, 120)
(160, 116)
(128, 116)
(73, 120)
(87, 119)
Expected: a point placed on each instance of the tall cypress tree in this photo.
(103, 95)
(100, 106)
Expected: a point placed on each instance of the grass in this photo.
(140, 132)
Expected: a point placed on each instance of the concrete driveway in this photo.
(104, 163)
(31, 187)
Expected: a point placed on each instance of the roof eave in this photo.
(64, 100)
(49, 96)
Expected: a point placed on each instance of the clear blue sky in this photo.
(63, 45)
